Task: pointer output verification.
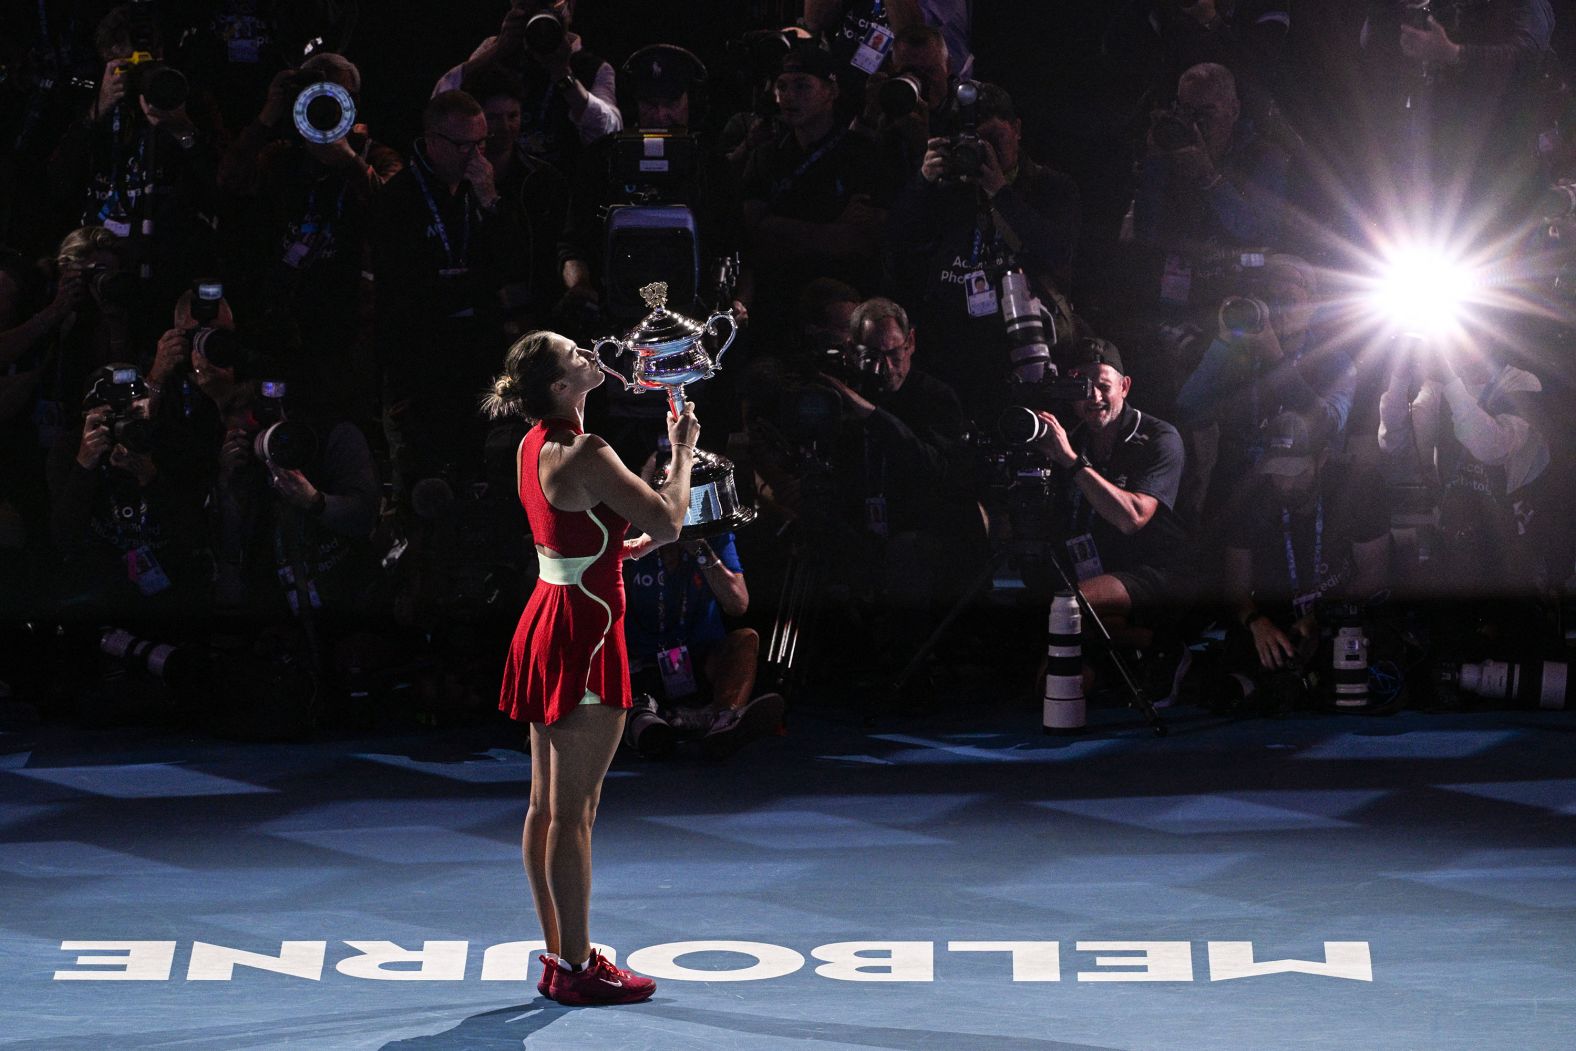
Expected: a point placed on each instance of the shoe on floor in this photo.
(549, 969)
(737, 727)
(599, 983)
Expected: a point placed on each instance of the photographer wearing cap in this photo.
(1268, 357)
(815, 197)
(958, 226)
(1311, 530)
(1121, 469)
(571, 97)
(668, 86)
(442, 244)
(1469, 426)
(125, 516)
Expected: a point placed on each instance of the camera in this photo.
(1173, 129)
(220, 346)
(1559, 201)
(862, 368)
(1024, 317)
(323, 111)
(281, 444)
(544, 33)
(1415, 13)
(163, 86)
(900, 94)
(1020, 424)
(1244, 315)
(964, 154)
(110, 287)
(119, 387)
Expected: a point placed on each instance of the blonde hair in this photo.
(524, 387)
(80, 244)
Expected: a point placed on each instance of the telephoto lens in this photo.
(899, 95)
(1021, 312)
(220, 346)
(1350, 667)
(1244, 316)
(1533, 684)
(1065, 709)
(647, 732)
(544, 33)
(1018, 425)
(323, 112)
(1559, 201)
(164, 87)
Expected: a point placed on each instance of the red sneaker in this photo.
(549, 968)
(599, 982)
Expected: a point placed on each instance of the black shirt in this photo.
(1147, 458)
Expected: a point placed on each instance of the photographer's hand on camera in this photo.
(992, 180)
(95, 439)
(295, 489)
(235, 453)
(1274, 647)
(333, 155)
(934, 165)
(112, 90)
(282, 91)
(1054, 444)
(855, 402)
(173, 350)
(1263, 345)
(139, 465)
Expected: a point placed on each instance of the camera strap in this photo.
(662, 599)
(457, 265)
(786, 183)
(1318, 547)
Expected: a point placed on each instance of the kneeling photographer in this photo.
(1312, 531)
(298, 498)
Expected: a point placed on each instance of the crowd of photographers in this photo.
(243, 340)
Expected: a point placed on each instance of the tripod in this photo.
(1136, 696)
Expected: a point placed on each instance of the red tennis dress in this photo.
(569, 645)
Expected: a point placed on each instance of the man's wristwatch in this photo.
(1080, 464)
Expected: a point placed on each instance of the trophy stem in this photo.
(676, 400)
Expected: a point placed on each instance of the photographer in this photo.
(1472, 433)
(538, 192)
(814, 198)
(1267, 358)
(192, 383)
(298, 498)
(1207, 179)
(957, 223)
(1311, 531)
(442, 240)
(302, 203)
(126, 514)
(860, 35)
(141, 162)
(1122, 468)
(571, 99)
(665, 81)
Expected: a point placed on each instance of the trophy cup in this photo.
(668, 353)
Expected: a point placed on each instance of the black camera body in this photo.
(1172, 129)
(964, 154)
(281, 444)
(120, 389)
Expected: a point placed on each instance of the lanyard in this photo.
(662, 600)
(1318, 542)
(979, 239)
(312, 222)
(443, 231)
(785, 184)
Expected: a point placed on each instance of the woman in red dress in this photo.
(568, 673)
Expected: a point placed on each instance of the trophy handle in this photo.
(619, 347)
(711, 330)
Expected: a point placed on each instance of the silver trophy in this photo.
(669, 352)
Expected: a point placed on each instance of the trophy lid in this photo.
(662, 326)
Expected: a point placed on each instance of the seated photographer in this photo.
(442, 241)
(814, 198)
(683, 653)
(126, 512)
(1267, 358)
(957, 227)
(665, 81)
(1124, 541)
(1311, 531)
(1471, 425)
(570, 94)
(1207, 180)
(537, 190)
(297, 497)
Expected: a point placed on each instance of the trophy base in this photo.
(714, 501)
(718, 526)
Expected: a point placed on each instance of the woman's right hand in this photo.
(95, 438)
(685, 428)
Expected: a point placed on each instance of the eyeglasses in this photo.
(463, 145)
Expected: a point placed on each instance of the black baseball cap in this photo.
(1289, 446)
(1092, 350)
(812, 59)
(664, 71)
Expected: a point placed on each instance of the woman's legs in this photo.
(580, 747)
(533, 840)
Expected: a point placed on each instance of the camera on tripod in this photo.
(963, 155)
(119, 387)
